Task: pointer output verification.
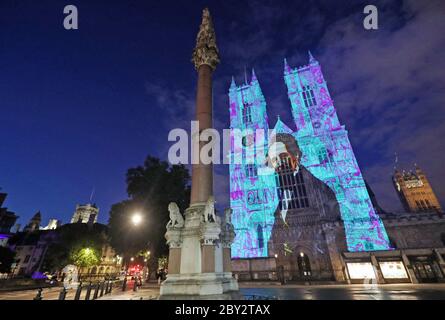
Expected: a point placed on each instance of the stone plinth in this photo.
(199, 255)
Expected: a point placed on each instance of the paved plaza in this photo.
(269, 291)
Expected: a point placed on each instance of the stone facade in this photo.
(419, 251)
(415, 191)
(85, 213)
(30, 249)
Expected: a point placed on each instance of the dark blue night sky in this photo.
(78, 108)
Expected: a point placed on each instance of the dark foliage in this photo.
(151, 188)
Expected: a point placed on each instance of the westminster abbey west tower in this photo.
(310, 217)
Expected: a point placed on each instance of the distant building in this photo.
(34, 223)
(52, 225)
(415, 192)
(30, 249)
(7, 219)
(85, 213)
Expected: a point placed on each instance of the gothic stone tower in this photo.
(85, 213)
(415, 192)
(252, 191)
(34, 223)
(328, 155)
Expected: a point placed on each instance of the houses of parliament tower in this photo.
(415, 191)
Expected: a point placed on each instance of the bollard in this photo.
(124, 284)
(102, 288)
(62, 294)
(87, 296)
(78, 291)
(108, 287)
(96, 291)
(107, 283)
(39, 294)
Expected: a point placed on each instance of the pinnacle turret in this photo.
(253, 79)
(287, 69)
(311, 58)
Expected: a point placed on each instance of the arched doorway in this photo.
(304, 265)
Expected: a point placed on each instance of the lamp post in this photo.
(136, 219)
(146, 259)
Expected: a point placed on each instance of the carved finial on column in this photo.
(206, 51)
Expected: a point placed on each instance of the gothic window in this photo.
(293, 184)
(428, 204)
(251, 171)
(27, 259)
(259, 231)
(418, 205)
(308, 97)
(247, 114)
(322, 155)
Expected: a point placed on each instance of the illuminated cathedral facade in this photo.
(326, 153)
(302, 212)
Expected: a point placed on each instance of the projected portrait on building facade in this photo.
(300, 195)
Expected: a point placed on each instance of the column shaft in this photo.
(202, 174)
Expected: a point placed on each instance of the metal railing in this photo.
(94, 290)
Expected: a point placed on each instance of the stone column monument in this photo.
(199, 264)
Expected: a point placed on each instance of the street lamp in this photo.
(136, 218)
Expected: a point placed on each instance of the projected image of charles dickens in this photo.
(298, 241)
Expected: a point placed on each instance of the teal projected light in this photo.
(326, 153)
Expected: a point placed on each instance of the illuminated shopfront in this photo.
(360, 270)
(393, 270)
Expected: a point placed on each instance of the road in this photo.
(287, 292)
(351, 292)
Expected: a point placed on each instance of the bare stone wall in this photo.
(415, 231)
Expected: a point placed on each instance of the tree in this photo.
(150, 188)
(77, 243)
(7, 257)
(85, 257)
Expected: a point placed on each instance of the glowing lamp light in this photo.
(136, 218)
